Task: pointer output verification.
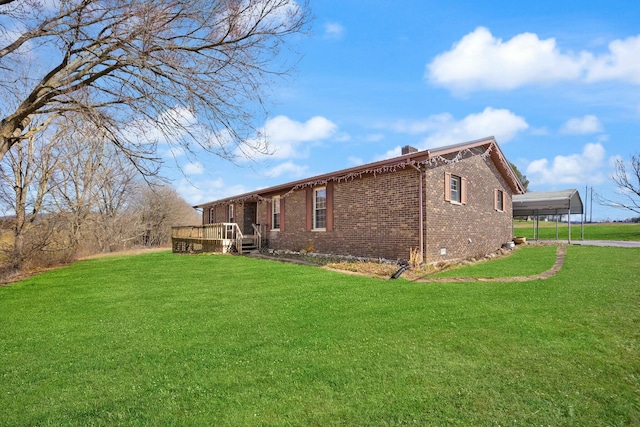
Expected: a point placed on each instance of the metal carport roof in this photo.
(542, 203)
(560, 202)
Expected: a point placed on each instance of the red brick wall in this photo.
(469, 230)
(373, 216)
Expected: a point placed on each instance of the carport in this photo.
(543, 203)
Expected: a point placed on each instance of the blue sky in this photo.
(557, 84)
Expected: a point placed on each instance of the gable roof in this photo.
(429, 158)
(547, 203)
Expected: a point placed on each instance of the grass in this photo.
(161, 339)
(547, 230)
(525, 261)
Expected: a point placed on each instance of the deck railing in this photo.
(217, 231)
(258, 234)
(224, 232)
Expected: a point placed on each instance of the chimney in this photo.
(407, 149)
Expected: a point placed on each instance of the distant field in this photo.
(163, 339)
(6, 241)
(604, 231)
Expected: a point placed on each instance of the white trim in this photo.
(275, 205)
(315, 208)
(498, 199)
(458, 191)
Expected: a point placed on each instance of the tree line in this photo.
(89, 91)
(70, 193)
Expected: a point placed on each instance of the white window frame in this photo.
(231, 216)
(316, 209)
(499, 200)
(458, 191)
(212, 215)
(275, 210)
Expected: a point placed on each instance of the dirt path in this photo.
(561, 251)
(137, 251)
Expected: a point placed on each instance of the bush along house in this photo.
(447, 203)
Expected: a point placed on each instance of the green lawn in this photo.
(162, 339)
(547, 230)
(527, 260)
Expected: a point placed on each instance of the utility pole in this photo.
(586, 199)
(591, 206)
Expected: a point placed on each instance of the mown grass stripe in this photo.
(193, 340)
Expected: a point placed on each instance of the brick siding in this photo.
(469, 230)
(373, 216)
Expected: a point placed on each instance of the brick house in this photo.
(448, 203)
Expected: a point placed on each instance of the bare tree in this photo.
(115, 189)
(156, 209)
(93, 181)
(25, 182)
(189, 72)
(628, 182)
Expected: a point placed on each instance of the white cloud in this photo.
(374, 137)
(194, 168)
(394, 152)
(205, 191)
(582, 125)
(342, 137)
(501, 123)
(415, 127)
(286, 137)
(482, 61)
(174, 152)
(333, 31)
(355, 161)
(621, 63)
(572, 169)
(444, 129)
(288, 168)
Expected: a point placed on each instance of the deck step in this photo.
(249, 245)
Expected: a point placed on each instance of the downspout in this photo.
(421, 219)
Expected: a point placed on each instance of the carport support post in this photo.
(569, 222)
(533, 223)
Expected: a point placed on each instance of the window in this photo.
(455, 189)
(275, 213)
(212, 215)
(498, 200)
(320, 208)
(231, 213)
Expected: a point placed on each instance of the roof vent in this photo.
(407, 149)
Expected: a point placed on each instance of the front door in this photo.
(250, 217)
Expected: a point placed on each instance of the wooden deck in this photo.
(224, 237)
